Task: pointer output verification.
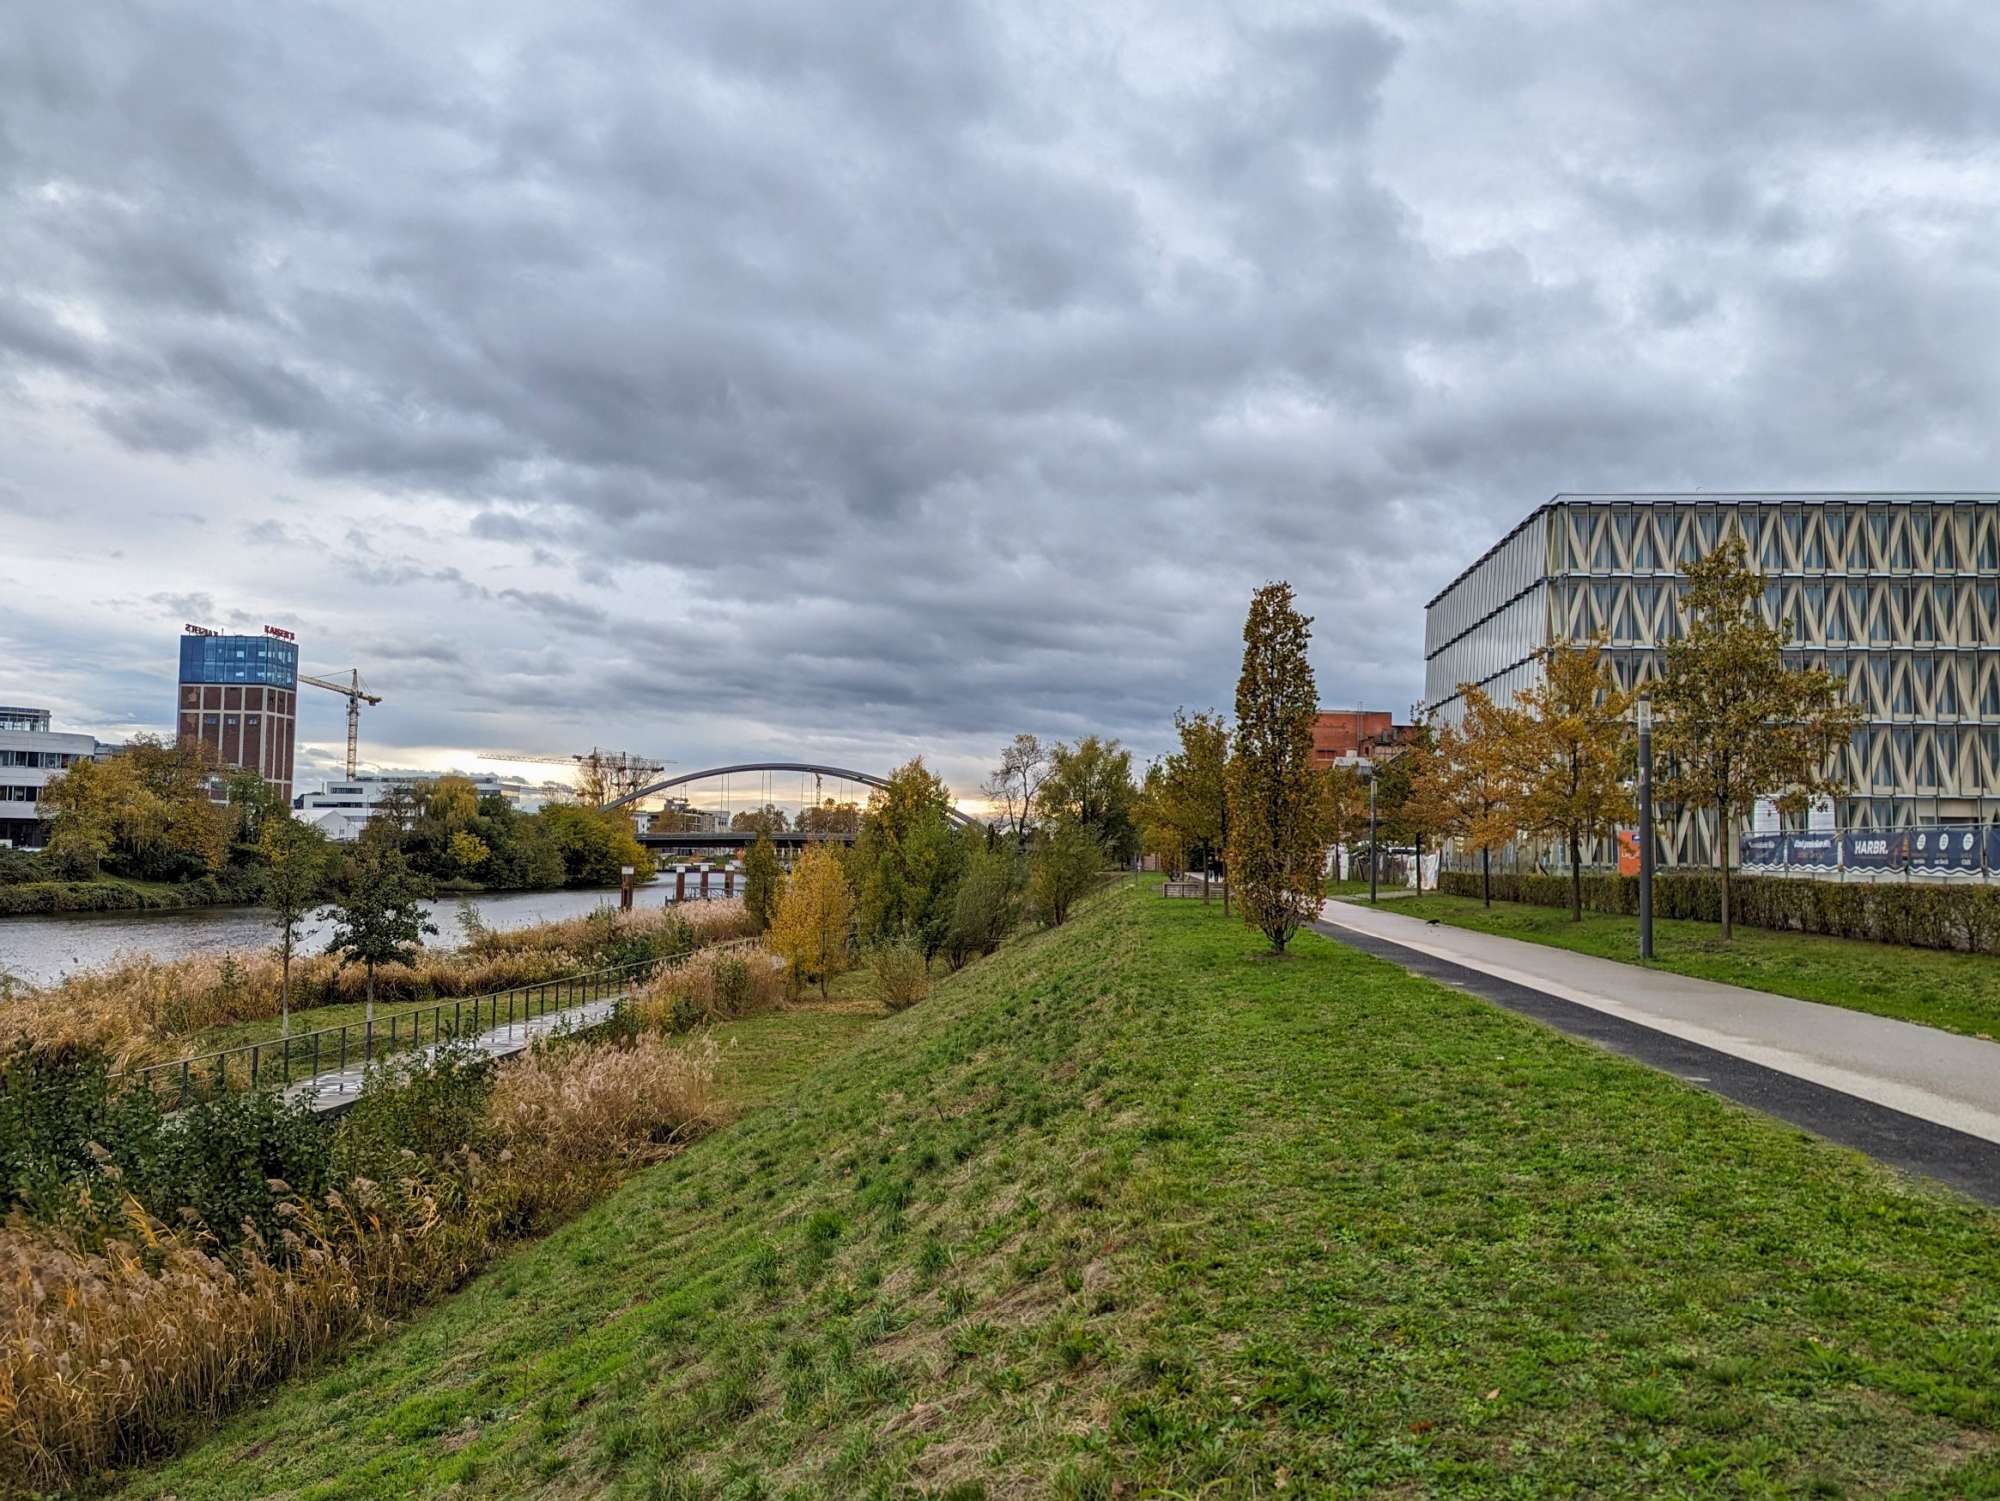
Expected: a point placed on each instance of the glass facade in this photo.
(240, 659)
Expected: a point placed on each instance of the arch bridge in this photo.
(866, 779)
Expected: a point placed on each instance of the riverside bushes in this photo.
(712, 985)
(132, 1307)
(1936, 916)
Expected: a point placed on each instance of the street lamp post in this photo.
(1374, 853)
(1645, 828)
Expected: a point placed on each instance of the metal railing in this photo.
(305, 1055)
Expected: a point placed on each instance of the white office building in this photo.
(342, 809)
(30, 754)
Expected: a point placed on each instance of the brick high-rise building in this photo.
(238, 696)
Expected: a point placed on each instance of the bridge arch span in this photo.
(865, 778)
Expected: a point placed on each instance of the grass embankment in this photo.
(1128, 1210)
(1957, 992)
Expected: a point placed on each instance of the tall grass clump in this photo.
(710, 986)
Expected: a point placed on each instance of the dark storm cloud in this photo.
(901, 371)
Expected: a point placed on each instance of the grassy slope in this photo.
(1958, 992)
(1128, 1201)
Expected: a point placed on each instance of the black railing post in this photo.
(184, 1085)
(253, 1065)
(368, 1044)
(316, 1055)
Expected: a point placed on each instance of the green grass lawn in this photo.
(1130, 1210)
(1958, 992)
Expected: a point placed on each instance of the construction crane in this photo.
(355, 694)
(603, 776)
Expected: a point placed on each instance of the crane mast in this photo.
(355, 694)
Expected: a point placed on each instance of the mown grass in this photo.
(1957, 992)
(1128, 1209)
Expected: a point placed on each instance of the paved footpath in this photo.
(332, 1093)
(1913, 1096)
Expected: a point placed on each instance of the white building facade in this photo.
(342, 809)
(31, 752)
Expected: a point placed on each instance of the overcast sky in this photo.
(847, 380)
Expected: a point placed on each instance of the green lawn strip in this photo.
(1957, 992)
(1129, 1202)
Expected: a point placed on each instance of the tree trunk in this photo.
(285, 994)
(1722, 854)
(1575, 879)
(371, 993)
(1486, 875)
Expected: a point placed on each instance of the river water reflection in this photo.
(40, 950)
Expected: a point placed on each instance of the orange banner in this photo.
(1628, 852)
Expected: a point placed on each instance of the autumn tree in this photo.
(1734, 722)
(1191, 794)
(378, 911)
(1277, 827)
(1016, 781)
(829, 817)
(1483, 786)
(907, 860)
(1090, 784)
(1429, 807)
(769, 819)
(1570, 754)
(762, 879)
(295, 858)
(810, 929)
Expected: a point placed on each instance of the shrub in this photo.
(1931, 916)
(714, 985)
(900, 975)
(986, 908)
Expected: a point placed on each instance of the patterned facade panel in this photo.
(1518, 563)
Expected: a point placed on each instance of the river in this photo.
(42, 949)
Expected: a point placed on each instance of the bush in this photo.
(1065, 862)
(1929, 916)
(709, 987)
(986, 908)
(900, 975)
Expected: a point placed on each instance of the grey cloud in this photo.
(869, 376)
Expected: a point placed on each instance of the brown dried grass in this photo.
(709, 922)
(709, 986)
(105, 1354)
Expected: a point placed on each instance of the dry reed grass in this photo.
(105, 1355)
(711, 985)
(708, 922)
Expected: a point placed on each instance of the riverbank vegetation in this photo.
(1313, 1227)
(144, 1010)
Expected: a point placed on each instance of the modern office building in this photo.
(1896, 594)
(238, 696)
(31, 752)
(342, 809)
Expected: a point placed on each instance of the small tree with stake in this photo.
(295, 858)
(1735, 723)
(378, 913)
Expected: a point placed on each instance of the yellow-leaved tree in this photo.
(1570, 753)
(814, 914)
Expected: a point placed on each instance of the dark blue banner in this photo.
(1815, 854)
(1943, 851)
(1760, 850)
(1873, 849)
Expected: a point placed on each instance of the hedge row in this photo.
(107, 896)
(1959, 916)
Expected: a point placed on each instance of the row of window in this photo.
(1837, 614)
(1896, 537)
(9, 794)
(51, 760)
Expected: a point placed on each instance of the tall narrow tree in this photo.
(1571, 753)
(1484, 788)
(1734, 722)
(762, 880)
(1277, 824)
(295, 860)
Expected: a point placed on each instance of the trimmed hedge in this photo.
(1958, 916)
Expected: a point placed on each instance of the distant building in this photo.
(238, 696)
(342, 809)
(1341, 735)
(30, 754)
